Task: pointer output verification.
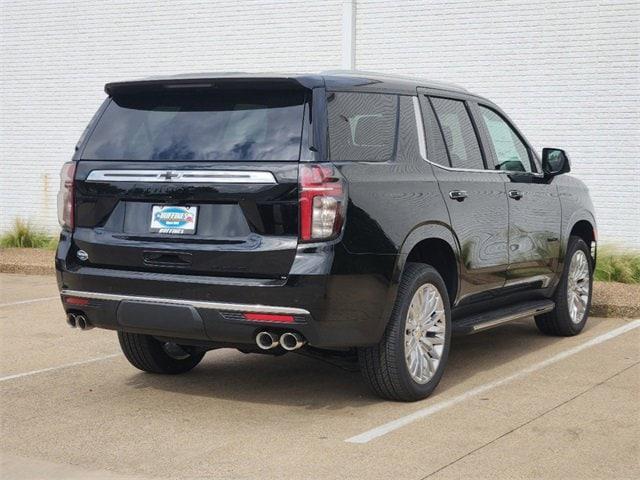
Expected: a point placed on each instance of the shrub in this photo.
(24, 235)
(614, 265)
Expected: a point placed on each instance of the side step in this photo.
(483, 321)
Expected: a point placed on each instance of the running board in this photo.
(483, 321)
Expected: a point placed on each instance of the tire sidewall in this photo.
(427, 275)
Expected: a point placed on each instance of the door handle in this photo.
(458, 195)
(515, 194)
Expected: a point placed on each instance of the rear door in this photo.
(534, 204)
(475, 197)
(197, 180)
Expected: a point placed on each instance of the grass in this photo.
(614, 265)
(24, 235)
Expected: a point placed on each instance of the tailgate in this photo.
(246, 226)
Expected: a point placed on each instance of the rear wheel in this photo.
(409, 361)
(150, 355)
(573, 295)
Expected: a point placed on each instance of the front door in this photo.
(534, 205)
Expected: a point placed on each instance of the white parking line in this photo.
(34, 300)
(59, 367)
(436, 407)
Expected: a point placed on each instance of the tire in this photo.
(561, 321)
(384, 366)
(150, 355)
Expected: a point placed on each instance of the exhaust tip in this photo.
(266, 340)
(71, 320)
(83, 323)
(292, 341)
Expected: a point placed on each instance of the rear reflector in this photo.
(269, 317)
(76, 301)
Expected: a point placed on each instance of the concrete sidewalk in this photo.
(72, 407)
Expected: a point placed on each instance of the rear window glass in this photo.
(362, 126)
(223, 124)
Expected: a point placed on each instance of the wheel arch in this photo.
(584, 227)
(434, 244)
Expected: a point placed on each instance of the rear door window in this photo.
(458, 132)
(436, 150)
(225, 124)
(362, 126)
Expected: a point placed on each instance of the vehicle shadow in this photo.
(296, 380)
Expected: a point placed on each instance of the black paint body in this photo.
(502, 248)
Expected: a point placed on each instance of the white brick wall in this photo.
(57, 55)
(566, 71)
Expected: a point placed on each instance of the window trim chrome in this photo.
(182, 176)
(422, 146)
(229, 307)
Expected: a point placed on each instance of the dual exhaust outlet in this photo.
(78, 320)
(288, 340)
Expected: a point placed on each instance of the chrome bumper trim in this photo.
(230, 307)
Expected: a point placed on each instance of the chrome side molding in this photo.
(182, 176)
(231, 307)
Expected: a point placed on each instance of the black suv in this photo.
(344, 214)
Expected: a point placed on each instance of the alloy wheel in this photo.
(578, 286)
(424, 338)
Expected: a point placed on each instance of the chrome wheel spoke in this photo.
(578, 286)
(425, 327)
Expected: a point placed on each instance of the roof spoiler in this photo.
(243, 81)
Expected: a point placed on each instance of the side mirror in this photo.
(555, 162)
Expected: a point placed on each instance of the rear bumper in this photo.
(329, 305)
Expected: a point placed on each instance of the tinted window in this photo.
(362, 126)
(511, 153)
(436, 151)
(212, 125)
(458, 133)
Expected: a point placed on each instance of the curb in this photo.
(615, 311)
(26, 269)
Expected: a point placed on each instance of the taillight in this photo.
(322, 202)
(66, 195)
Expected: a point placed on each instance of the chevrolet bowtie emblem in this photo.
(168, 175)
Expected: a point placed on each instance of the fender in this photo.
(577, 216)
(421, 232)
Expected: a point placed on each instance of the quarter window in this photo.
(458, 132)
(511, 153)
(362, 126)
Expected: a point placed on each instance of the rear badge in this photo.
(173, 219)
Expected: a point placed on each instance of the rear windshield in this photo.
(224, 124)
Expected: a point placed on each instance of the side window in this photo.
(362, 126)
(458, 132)
(436, 151)
(511, 153)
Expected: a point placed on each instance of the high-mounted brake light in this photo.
(66, 195)
(323, 202)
